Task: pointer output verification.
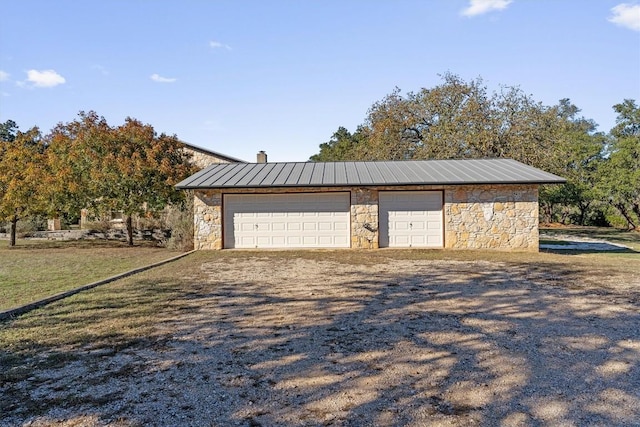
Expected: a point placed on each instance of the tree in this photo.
(621, 172)
(21, 174)
(576, 153)
(451, 120)
(458, 119)
(128, 169)
(340, 147)
(8, 131)
(73, 153)
(135, 171)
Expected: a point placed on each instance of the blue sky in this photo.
(281, 76)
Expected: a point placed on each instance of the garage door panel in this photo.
(341, 226)
(325, 226)
(287, 220)
(293, 241)
(411, 219)
(278, 226)
(294, 226)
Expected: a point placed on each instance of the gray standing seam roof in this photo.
(333, 174)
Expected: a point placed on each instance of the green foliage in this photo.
(621, 172)
(8, 131)
(340, 147)
(460, 119)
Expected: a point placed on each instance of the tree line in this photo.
(88, 164)
(460, 119)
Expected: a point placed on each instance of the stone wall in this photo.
(202, 159)
(475, 217)
(364, 218)
(491, 217)
(207, 217)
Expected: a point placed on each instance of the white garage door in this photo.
(411, 219)
(308, 220)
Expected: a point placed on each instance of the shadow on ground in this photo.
(253, 341)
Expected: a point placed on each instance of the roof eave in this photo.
(399, 184)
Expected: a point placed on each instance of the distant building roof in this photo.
(410, 172)
(212, 153)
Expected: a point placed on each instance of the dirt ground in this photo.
(301, 342)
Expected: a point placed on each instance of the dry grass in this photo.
(363, 322)
(37, 269)
(450, 337)
(123, 313)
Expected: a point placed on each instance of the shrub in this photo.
(180, 221)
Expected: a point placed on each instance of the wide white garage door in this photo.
(307, 220)
(410, 219)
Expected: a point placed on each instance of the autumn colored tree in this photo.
(128, 169)
(21, 174)
(135, 171)
(72, 155)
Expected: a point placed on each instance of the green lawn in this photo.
(36, 269)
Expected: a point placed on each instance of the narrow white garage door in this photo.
(410, 219)
(308, 220)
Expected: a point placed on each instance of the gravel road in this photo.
(258, 342)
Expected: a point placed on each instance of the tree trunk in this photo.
(583, 207)
(564, 218)
(129, 230)
(636, 209)
(623, 210)
(547, 211)
(14, 226)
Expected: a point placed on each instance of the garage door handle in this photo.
(410, 225)
(256, 226)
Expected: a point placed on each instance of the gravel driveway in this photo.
(292, 342)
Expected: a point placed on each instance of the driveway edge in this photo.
(7, 314)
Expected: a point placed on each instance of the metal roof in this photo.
(331, 174)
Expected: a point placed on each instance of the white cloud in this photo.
(478, 7)
(159, 79)
(218, 45)
(626, 15)
(4, 76)
(44, 78)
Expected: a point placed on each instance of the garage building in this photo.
(451, 204)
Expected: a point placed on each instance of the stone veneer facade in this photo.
(501, 217)
(202, 159)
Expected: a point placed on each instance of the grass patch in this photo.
(38, 269)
